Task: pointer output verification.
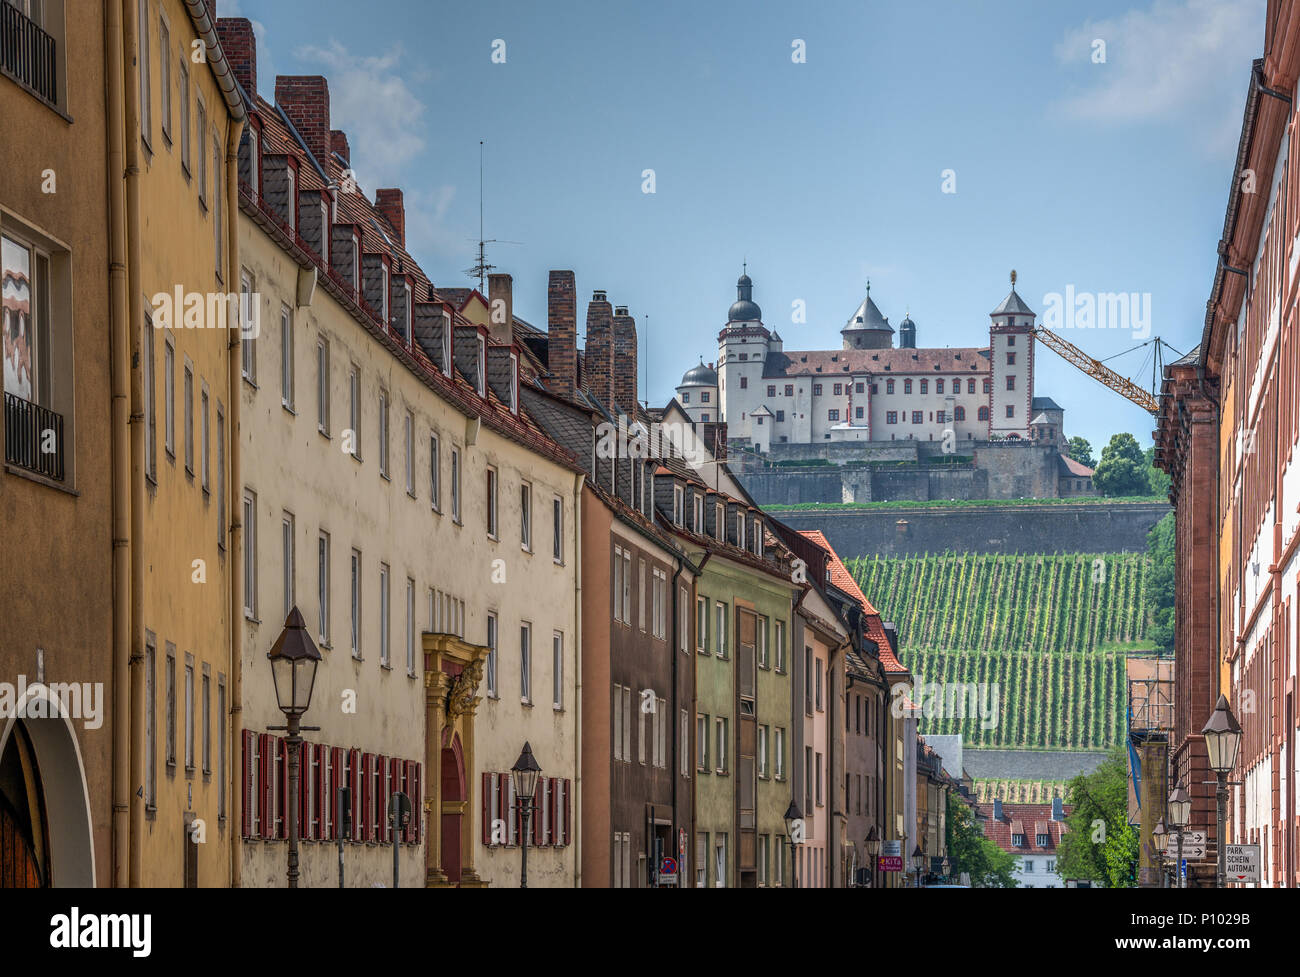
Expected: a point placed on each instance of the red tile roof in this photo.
(965, 361)
(1014, 819)
(1076, 468)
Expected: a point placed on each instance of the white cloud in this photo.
(1175, 60)
(426, 229)
(371, 102)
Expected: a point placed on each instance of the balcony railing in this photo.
(33, 434)
(27, 52)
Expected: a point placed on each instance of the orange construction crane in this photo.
(1100, 371)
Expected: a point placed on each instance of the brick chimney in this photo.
(389, 203)
(599, 352)
(339, 144)
(306, 101)
(240, 47)
(562, 330)
(501, 318)
(625, 374)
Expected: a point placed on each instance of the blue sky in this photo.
(1102, 176)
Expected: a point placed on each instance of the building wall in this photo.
(60, 533)
(864, 758)
(186, 606)
(597, 768)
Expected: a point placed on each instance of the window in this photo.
(1011, 381)
(146, 91)
(201, 130)
(641, 737)
(723, 744)
(356, 604)
(720, 613)
(1011, 340)
(907, 386)
(959, 413)
(622, 590)
(150, 722)
(286, 357)
(1041, 840)
(187, 392)
(702, 743)
(679, 505)
(384, 650)
(557, 529)
(492, 654)
(526, 516)
(789, 389)
(1011, 410)
(889, 386)
(970, 385)
(221, 477)
(771, 389)
(354, 409)
(780, 415)
(557, 670)
(701, 624)
(525, 664)
(409, 436)
(189, 712)
(891, 417)
(221, 746)
(807, 681)
(938, 386)
(1011, 359)
(778, 753)
(622, 716)
(287, 548)
(455, 485)
(660, 756)
(833, 415)
(410, 627)
(435, 464)
(988, 385)
(203, 437)
(701, 859)
(858, 413)
(740, 530)
(918, 417)
(760, 640)
(323, 386)
(925, 386)
(248, 329)
(762, 751)
(820, 702)
(218, 227)
(819, 780)
(686, 397)
(183, 91)
(323, 584)
(704, 395)
(170, 692)
(659, 603)
(983, 414)
(383, 433)
(250, 556)
(780, 646)
(744, 383)
(720, 860)
(697, 525)
(169, 397)
(1018, 840)
(1029, 865)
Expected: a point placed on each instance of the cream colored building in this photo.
(384, 494)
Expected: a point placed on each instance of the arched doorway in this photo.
(453, 796)
(45, 827)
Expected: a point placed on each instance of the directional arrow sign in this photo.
(1193, 838)
(1193, 852)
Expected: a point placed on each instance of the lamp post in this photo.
(793, 824)
(873, 849)
(525, 773)
(1180, 811)
(293, 658)
(918, 862)
(1160, 839)
(1222, 740)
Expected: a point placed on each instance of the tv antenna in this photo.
(481, 267)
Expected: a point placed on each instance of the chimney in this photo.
(599, 355)
(306, 101)
(562, 331)
(240, 48)
(389, 203)
(1058, 809)
(997, 809)
(625, 360)
(339, 144)
(501, 317)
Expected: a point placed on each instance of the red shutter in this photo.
(567, 809)
(321, 823)
(485, 806)
(246, 816)
(397, 775)
(554, 801)
(537, 813)
(305, 782)
(358, 779)
(367, 788)
(336, 781)
(282, 807)
(416, 778)
(266, 785)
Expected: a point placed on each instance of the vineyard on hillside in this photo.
(1051, 631)
(1019, 791)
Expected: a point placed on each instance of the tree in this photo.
(1081, 451)
(1158, 480)
(988, 865)
(1158, 583)
(1123, 468)
(1100, 844)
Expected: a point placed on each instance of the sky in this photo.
(929, 147)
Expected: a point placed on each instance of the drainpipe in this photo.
(675, 653)
(119, 347)
(234, 132)
(135, 324)
(578, 481)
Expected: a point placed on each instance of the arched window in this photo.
(959, 413)
(984, 414)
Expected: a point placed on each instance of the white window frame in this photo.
(526, 517)
(455, 485)
(323, 585)
(286, 358)
(354, 409)
(409, 435)
(493, 637)
(356, 591)
(435, 472)
(323, 385)
(526, 663)
(557, 671)
(493, 512)
(385, 615)
(169, 396)
(410, 627)
(383, 434)
(250, 555)
(288, 546)
(557, 530)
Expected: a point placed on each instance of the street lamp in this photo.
(1180, 812)
(1222, 740)
(525, 773)
(918, 862)
(873, 850)
(293, 658)
(793, 817)
(1160, 838)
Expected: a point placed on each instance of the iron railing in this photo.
(27, 52)
(33, 434)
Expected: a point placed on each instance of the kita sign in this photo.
(890, 863)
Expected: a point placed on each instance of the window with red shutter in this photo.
(553, 801)
(537, 813)
(337, 780)
(358, 779)
(397, 782)
(367, 792)
(488, 813)
(417, 802)
(322, 817)
(248, 821)
(266, 784)
(283, 800)
(567, 810)
(514, 816)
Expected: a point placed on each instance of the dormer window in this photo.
(292, 199)
(699, 516)
(383, 293)
(758, 538)
(514, 382)
(446, 345)
(480, 377)
(719, 520)
(679, 504)
(740, 530)
(410, 309)
(325, 231)
(254, 161)
(1018, 841)
(1042, 841)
